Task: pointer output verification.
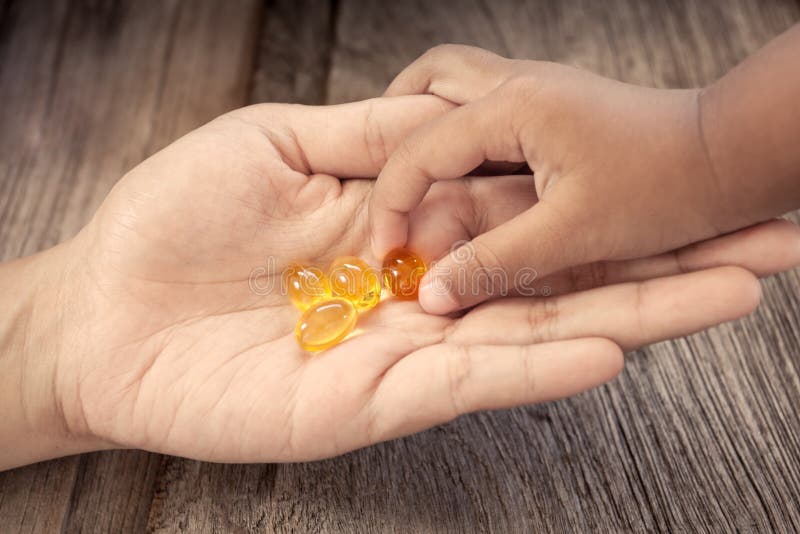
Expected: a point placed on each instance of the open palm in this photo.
(187, 342)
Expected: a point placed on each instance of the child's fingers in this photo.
(446, 148)
(632, 314)
(441, 382)
(458, 73)
(542, 240)
(763, 249)
(347, 140)
(455, 211)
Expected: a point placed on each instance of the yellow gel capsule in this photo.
(325, 324)
(353, 279)
(305, 285)
(402, 272)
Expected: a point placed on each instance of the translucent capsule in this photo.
(305, 285)
(354, 280)
(402, 272)
(325, 324)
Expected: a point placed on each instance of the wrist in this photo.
(38, 296)
(749, 122)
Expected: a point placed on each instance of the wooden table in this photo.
(698, 434)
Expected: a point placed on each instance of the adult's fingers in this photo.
(632, 314)
(458, 73)
(441, 382)
(520, 351)
(347, 140)
(764, 249)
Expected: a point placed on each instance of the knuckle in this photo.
(374, 140)
(598, 274)
(519, 95)
(446, 50)
(528, 380)
(459, 371)
(418, 76)
(460, 55)
(405, 151)
(408, 156)
(519, 88)
(531, 83)
(587, 276)
(543, 319)
(640, 297)
(485, 269)
(484, 257)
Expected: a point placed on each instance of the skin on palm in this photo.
(168, 263)
(175, 353)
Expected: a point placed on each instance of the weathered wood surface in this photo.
(698, 434)
(88, 89)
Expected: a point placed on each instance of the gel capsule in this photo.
(325, 324)
(402, 271)
(354, 280)
(305, 285)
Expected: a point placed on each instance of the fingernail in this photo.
(436, 300)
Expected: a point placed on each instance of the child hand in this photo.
(620, 171)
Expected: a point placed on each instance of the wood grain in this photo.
(89, 90)
(294, 52)
(698, 434)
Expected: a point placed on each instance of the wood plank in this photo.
(34, 498)
(93, 88)
(294, 52)
(113, 492)
(375, 40)
(204, 497)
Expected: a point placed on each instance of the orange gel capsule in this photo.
(354, 280)
(305, 285)
(402, 272)
(325, 324)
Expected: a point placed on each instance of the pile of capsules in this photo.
(331, 302)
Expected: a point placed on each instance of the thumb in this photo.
(506, 259)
